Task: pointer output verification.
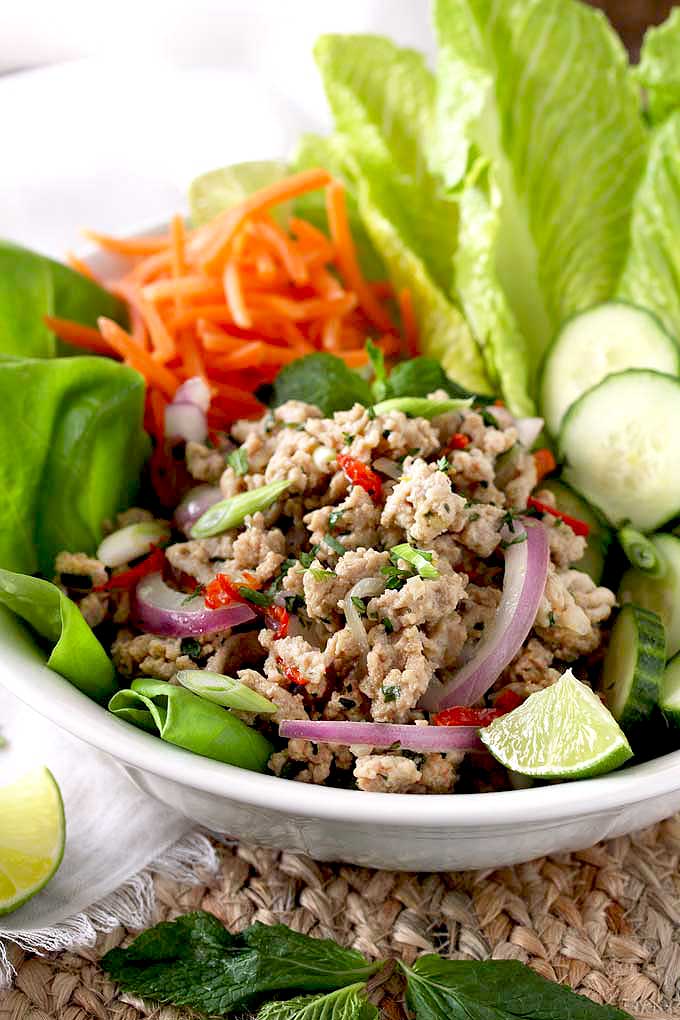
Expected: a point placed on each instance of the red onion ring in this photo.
(374, 734)
(526, 571)
(194, 391)
(195, 503)
(158, 609)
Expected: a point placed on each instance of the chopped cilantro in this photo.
(196, 593)
(293, 603)
(391, 692)
(320, 575)
(517, 540)
(348, 437)
(334, 517)
(258, 598)
(190, 646)
(551, 618)
(443, 464)
(333, 544)
(488, 418)
(359, 605)
(238, 460)
(387, 624)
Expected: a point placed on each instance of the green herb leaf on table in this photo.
(324, 380)
(195, 962)
(76, 653)
(439, 989)
(344, 1004)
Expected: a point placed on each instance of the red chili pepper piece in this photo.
(129, 578)
(459, 715)
(222, 592)
(508, 700)
(578, 527)
(292, 673)
(277, 618)
(458, 441)
(361, 474)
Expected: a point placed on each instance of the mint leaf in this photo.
(321, 379)
(345, 1004)
(377, 359)
(439, 989)
(195, 962)
(419, 377)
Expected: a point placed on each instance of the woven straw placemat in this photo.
(605, 920)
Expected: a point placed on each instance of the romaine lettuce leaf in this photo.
(651, 276)
(382, 99)
(32, 286)
(542, 88)
(76, 653)
(659, 69)
(71, 451)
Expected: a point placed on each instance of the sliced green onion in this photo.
(421, 407)
(132, 541)
(223, 690)
(332, 543)
(641, 552)
(230, 513)
(418, 558)
(259, 598)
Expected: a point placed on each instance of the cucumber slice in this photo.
(620, 441)
(659, 594)
(670, 692)
(634, 667)
(599, 538)
(608, 338)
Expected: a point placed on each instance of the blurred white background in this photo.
(111, 109)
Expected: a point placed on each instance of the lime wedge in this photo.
(212, 193)
(563, 732)
(32, 832)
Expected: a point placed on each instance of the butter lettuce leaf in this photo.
(543, 90)
(659, 69)
(71, 450)
(382, 99)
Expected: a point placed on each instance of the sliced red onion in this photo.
(367, 587)
(130, 542)
(388, 467)
(185, 421)
(528, 430)
(195, 504)
(526, 570)
(373, 734)
(194, 391)
(158, 609)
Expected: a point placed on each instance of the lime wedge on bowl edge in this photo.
(32, 833)
(213, 192)
(563, 732)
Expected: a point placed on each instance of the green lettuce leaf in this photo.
(184, 719)
(382, 100)
(543, 90)
(32, 286)
(71, 451)
(651, 276)
(76, 653)
(659, 69)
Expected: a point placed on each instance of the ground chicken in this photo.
(384, 773)
(530, 670)
(565, 547)
(297, 664)
(288, 705)
(204, 463)
(521, 485)
(354, 523)
(424, 504)
(148, 655)
(94, 607)
(135, 515)
(399, 673)
(419, 601)
(570, 611)
(324, 590)
(69, 567)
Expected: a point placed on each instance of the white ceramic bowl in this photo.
(433, 833)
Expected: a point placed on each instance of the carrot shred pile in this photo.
(236, 299)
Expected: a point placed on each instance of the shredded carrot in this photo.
(545, 463)
(80, 266)
(234, 300)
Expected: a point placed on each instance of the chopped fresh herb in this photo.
(348, 438)
(359, 605)
(198, 591)
(387, 624)
(487, 417)
(396, 577)
(324, 380)
(307, 558)
(334, 517)
(319, 574)
(258, 598)
(293, 603)
(474, 516)
(414, 451)
(391, 692)
(551, 619)
(190, 646)
(377, 359)
(443, 464)
(238, 460)
(370, 411)
(418, 558)
(517, 540)
(333, 544)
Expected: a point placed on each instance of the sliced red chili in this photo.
(578, 527)
(362, 475)
(458, 441)
(460, 715)
(222, 592)
(128, 579)
(277, 618)
(292, 673)
(508, 700)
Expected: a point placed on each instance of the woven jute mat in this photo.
(605, 920)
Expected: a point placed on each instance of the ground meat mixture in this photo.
(450, 488)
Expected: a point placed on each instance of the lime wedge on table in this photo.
(563, 732)
(212, 193)
(32, 832)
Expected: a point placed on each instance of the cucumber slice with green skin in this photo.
(634, 667)
(659, 594)
(670, 692)
(607, 338)
(599, 537)
(620, 441)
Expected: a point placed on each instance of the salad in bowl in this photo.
(366, 476)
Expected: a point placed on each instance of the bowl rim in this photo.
(24, 673)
